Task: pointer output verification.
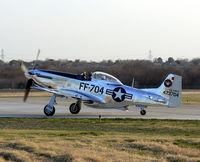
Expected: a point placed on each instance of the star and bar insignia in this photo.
(119, 94)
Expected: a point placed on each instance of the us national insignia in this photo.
(168, 83)
(119, 94)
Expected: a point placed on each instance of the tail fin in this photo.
(171, 89)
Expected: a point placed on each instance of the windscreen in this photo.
(105, 76)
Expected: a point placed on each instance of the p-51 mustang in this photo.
(101, 90)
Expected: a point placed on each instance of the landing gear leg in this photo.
(75, 107)
(49, 109)
(143, 112)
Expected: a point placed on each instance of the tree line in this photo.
(146, 73)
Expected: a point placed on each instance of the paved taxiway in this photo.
(14, 107)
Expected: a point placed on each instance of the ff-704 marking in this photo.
(91, 87)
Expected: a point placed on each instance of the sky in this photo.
(100, 29)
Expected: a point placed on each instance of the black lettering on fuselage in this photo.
(91, 88)
(86, 86)
(81, 85)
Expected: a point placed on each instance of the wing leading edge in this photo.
(72, 93)
(82, 95)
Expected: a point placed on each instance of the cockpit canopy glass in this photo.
(105, 76)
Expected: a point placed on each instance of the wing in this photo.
(72, 93)
(46, 89)
(80, 94)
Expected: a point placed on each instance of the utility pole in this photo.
(2, 55)
(150, 55)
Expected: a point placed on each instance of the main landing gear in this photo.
(143, 112)
(75, 107)
(49, 109)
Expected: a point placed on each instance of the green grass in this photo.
(50, 139)
(187, 143)
(144, 126)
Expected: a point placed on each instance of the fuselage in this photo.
(93, 92)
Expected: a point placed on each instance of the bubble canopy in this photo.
(105, 76)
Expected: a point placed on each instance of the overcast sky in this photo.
(100, 29)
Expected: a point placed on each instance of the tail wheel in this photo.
(143, 112)
(74, 108)
(49, 110)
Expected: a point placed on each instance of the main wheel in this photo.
(49, 111)
(143, 112)
(74, 108)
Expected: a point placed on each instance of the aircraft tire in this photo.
(143, 112)
(48, 111)
(74, 108)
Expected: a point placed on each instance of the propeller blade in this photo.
(23, 67)
(38, 53)
(27, 90)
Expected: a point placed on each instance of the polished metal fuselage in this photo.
(95, 93)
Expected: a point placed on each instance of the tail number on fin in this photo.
(173, 93)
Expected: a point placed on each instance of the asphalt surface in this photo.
(15, 107)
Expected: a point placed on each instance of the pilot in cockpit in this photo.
(84, 74)
(87, 76)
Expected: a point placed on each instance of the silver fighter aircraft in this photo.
(101, 90)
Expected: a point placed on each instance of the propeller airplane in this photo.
(100, 90)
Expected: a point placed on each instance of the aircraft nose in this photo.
(26, 74)
(29, 73)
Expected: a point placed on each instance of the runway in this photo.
(15, 107)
